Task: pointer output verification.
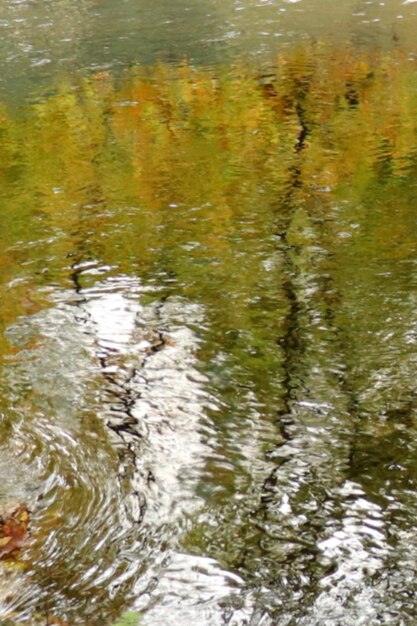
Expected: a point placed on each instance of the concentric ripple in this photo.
(104, 433)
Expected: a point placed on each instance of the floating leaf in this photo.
(14, 523)
(4, 541)
(129, 618)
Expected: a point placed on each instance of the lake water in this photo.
(43, 40)
(208, 312)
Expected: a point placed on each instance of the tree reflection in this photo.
(283, 206)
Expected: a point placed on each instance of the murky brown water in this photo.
(208, 317)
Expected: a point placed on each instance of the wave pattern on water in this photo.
(107, 432)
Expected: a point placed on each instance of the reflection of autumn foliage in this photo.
(165, 126)
(168, 164)
(153, 134)
(271, 197)
(149, 138)
(194, 171)
(267, 196)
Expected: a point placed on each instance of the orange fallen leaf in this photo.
(13, 531)
(4, 541)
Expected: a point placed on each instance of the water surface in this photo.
(208, 312)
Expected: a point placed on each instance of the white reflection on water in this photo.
(194, 589)
(153, 397)
(100, 351)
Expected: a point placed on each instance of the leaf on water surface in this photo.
(5, 540)
(14, 522)
(129, 618)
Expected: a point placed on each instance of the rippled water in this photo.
(44, 39)
(208, 316)
(109, 434)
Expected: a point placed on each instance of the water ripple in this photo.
(108, 419)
